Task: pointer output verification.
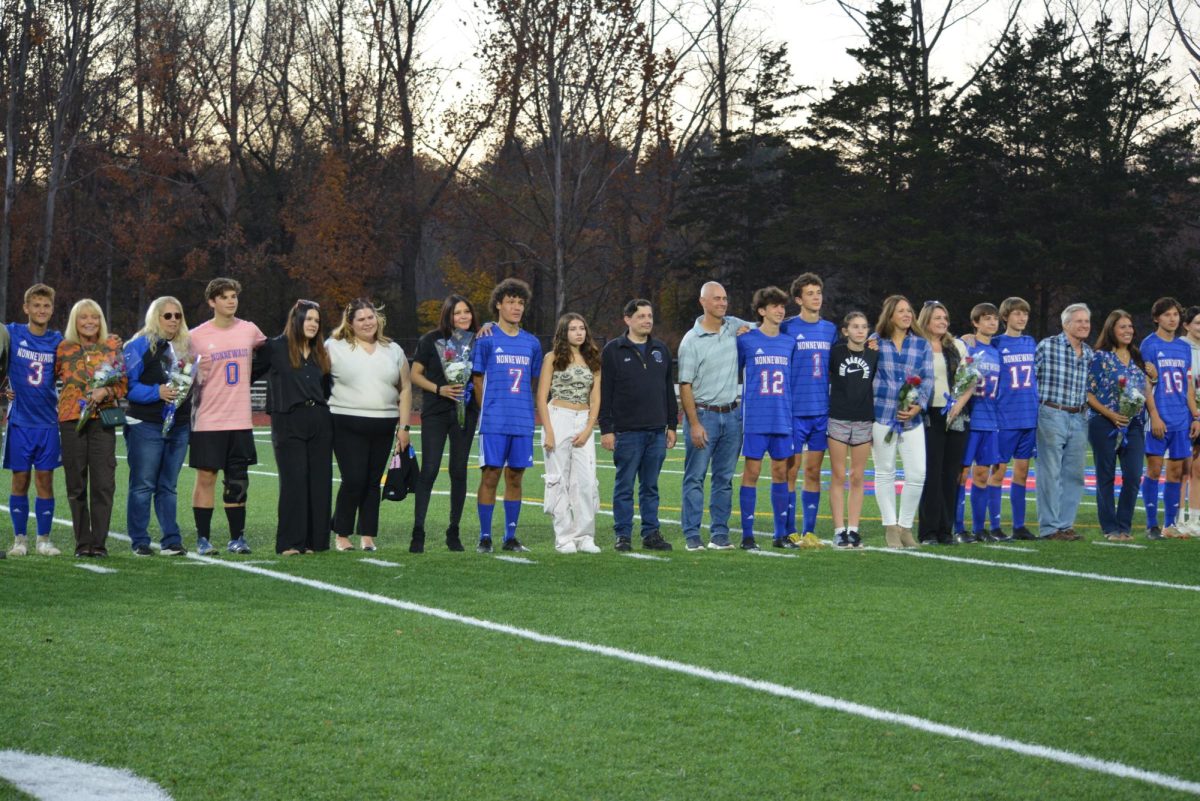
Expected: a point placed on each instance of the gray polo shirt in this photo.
(709, 362)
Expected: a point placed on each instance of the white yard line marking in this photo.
(519, 560)
(774, 554)
(646, 557)
(55, 778)
(379, 562)
(95, 568)
(1014, 548)
(1069, 758)
(1121, 545)
(1050, 571)
(259, 561)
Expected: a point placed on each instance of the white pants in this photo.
(911, 446)
(572, 493)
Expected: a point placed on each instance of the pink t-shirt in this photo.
(223, 387)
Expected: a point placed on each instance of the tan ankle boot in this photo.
(906, 538)
(892, 535)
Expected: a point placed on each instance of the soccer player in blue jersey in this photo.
(765, 358)
(983, 445)
(505, 366)
(1017, 405)
(31, 441)
(813, 338)
(1174, 420)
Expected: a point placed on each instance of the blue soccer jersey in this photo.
(810, 368)
(31, 376)
(1016, 394)
(1173, 360)
(508, 364)
(984, 405)
(766, 384)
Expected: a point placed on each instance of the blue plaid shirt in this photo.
(915, 357)
(1061, 375)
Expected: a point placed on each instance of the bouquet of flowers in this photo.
(1130, 402)
(106, 374)
(908, 396)
(966, 376)
(455, 355)
(180, 378)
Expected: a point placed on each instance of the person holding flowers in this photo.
(442, 369)
(90, 365)
(903, 386)
(1116, 397)
(158, 424)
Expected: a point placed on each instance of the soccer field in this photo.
(1019, 671)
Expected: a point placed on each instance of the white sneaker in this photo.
(566, 547)
(588, 546)
(20, 547)
(46, 548)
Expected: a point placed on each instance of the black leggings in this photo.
(362, 446)
(435, 429)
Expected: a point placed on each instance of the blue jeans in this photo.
(1062, 452)
(154, 465)
(640, 454)
(724, 438)
(1116, 517)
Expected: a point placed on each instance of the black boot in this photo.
(417, 545)
(452, 541)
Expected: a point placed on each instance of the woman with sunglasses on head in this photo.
(451, 342)
(155, 458)
(89, 448)
(298, 385)
(371, 394)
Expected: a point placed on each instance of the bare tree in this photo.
(18, 23)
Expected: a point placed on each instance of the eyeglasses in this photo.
(172, 315)
(929, 303)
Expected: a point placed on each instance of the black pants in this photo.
(435, 430)
(944, 452)
(303, 442)
(89, 463)
(362, 446)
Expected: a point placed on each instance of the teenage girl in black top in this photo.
(851, 413)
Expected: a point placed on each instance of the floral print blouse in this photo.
(74, 366)
(1103, 374)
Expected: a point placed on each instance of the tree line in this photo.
(606, 149)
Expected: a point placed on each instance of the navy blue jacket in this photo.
(636, 393)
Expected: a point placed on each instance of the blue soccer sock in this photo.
(1016, 497)
(978, 507)
(43, 510)
(486, 510)
(791, 512)
(18, 510)
(994, 502)
(779, 507)
(812, 503)
(512, 513)
(960, 509)
(747, 498)
(1171, 493)
(1150, 500)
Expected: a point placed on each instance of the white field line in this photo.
(775, 555)
(378, 563)
(1120, 545)
(1049, 571)
(519, 560)
(94, 568)
(55, 778)
(1014, 548)
(646, 557)
(1068, 758)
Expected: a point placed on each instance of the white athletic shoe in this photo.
(46, 548)
(588, 546)
(20, 546)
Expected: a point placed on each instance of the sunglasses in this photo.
(172, 315)
(929, 303)
(308, 304)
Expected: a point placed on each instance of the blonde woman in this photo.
(371, 394)
(155, 459)
(568, 402)
(89, 451)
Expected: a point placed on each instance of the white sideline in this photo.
(55, 778)
(94, 568)
(1069, 758)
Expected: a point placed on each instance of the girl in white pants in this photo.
(568, 402)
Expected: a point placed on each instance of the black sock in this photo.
(203, 521)
(237, 521)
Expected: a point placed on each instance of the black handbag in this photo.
(112, 417)
(401, 476)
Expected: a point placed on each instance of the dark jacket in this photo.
(147, 367)
(636, 394)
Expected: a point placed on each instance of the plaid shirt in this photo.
(895, 366)
(1061, 375)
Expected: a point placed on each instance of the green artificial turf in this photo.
(218, 683)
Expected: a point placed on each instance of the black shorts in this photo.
(221, 450)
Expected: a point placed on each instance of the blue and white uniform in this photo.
(766, 363)
(1173, 361)
(31, 441)
(1016, 396)
(509, 364)
(982, 444)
